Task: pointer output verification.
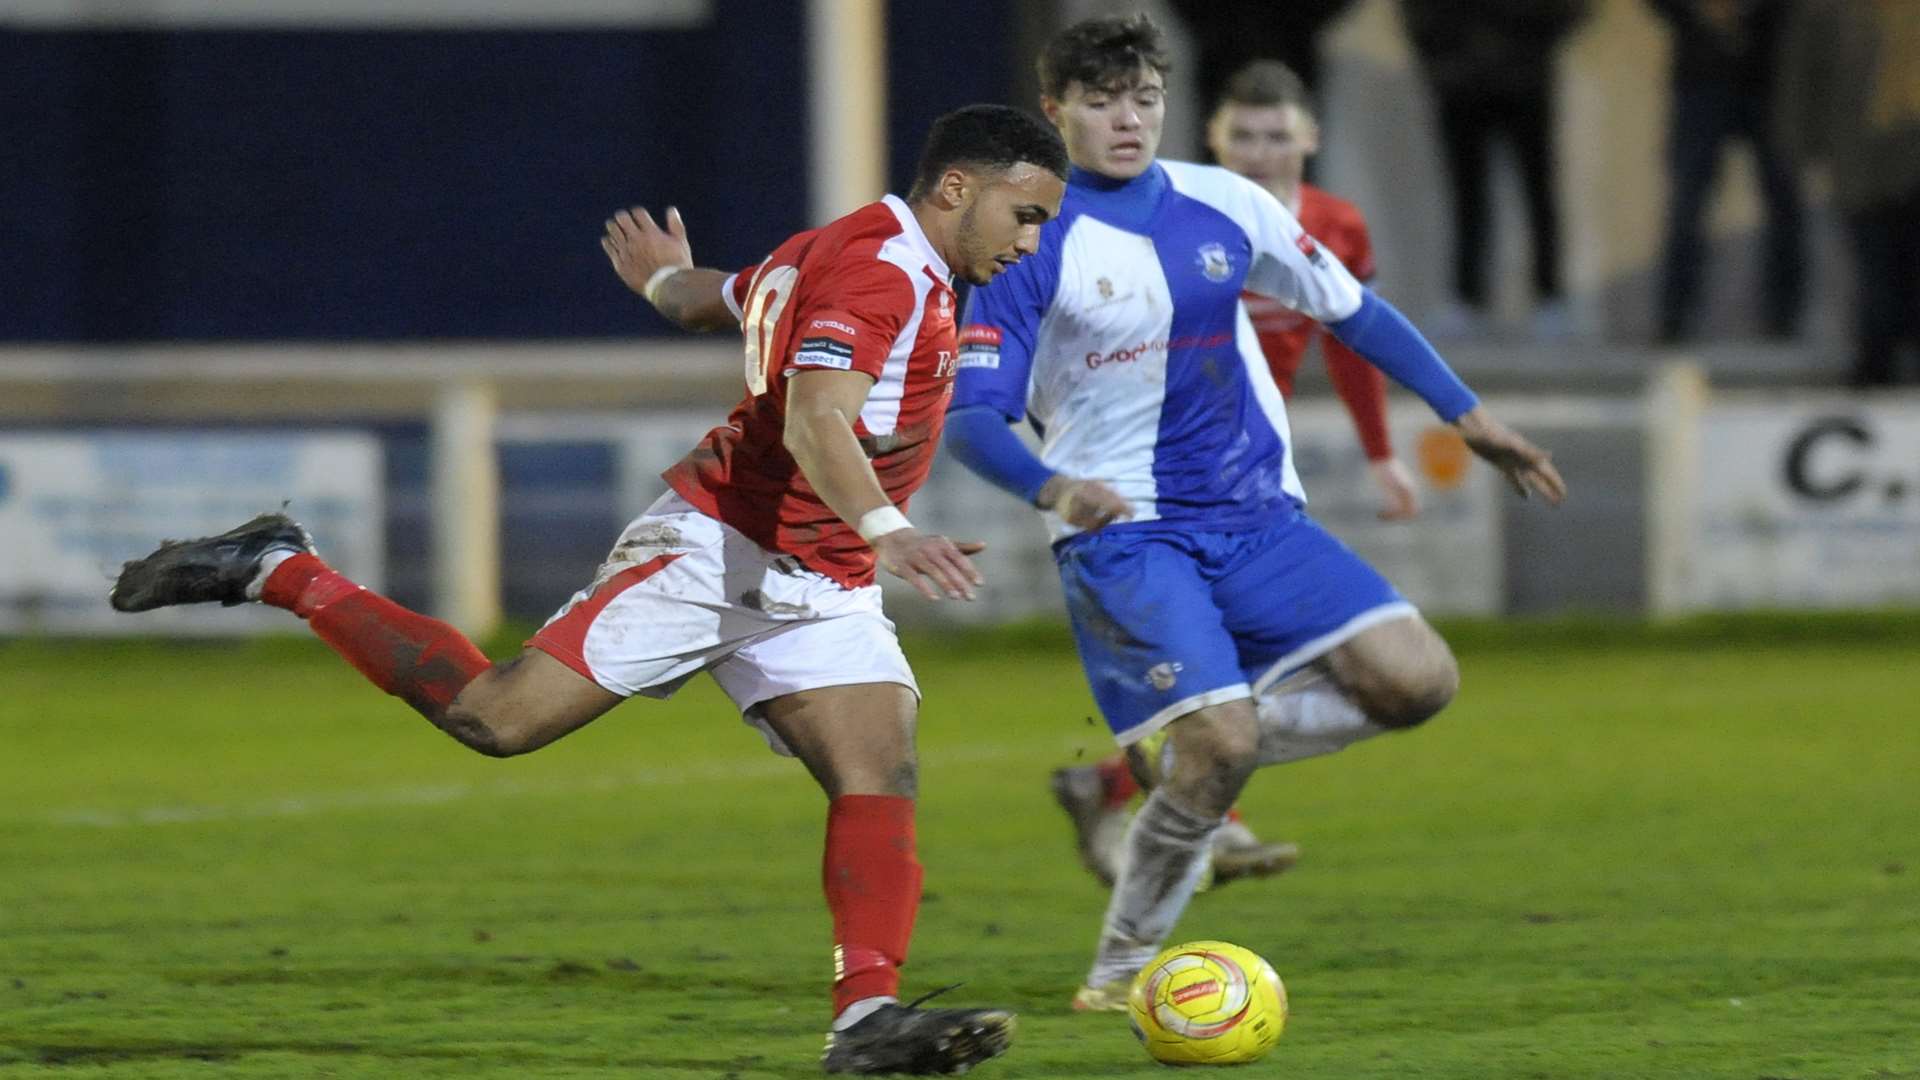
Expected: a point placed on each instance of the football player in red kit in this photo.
(1264, 129)
(757, 566)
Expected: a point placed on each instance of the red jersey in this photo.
(1285, 333)
(866, 293)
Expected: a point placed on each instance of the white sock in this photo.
(1306, 717)
(1165, 854)
(268, 564)
(860, 1010)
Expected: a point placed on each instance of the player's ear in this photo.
(1050, 108)
(955, 189)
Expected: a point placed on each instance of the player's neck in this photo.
(1288, 192)
(934, 224)
(1080, 176)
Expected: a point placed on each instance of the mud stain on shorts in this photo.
(658, 535)
(758, 601)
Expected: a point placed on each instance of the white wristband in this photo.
(878, 523)
(658, 279)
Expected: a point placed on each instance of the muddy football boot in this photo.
(205, 570)
(1238, 853)
(919, 1042)
(1099, 830)
(1110, 997)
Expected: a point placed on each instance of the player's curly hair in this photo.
(1104, 52)
(1264, 83)
(994, 137)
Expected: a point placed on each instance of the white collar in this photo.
(917, 236)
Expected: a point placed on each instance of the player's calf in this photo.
(520, 705)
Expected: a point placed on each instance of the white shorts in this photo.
(684, 593)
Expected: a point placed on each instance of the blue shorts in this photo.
(1172, 619)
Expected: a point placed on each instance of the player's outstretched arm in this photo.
(1363, 389)
(658, 264)
(1526, 466)
(978, 436)
(822, 407)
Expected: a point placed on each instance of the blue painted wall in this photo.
(168, 185)
(182, 185)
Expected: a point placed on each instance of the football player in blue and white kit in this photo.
(1205, 603)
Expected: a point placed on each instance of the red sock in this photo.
(422, 661)
(873, 889)
(1116, 781)
(1233, 814)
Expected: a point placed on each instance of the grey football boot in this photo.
(209, 569)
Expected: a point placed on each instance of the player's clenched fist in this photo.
(931, 563)
(1083, 504)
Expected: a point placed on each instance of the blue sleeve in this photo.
(978, 435)
(1389, 342)
(998, 333)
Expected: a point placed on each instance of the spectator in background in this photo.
(1232, 33)
(1850, 97)
(1490, 63)
(1723, 60)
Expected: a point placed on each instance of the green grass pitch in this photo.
(1689, 853)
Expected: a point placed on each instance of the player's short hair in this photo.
(1105, 52)
(1265, 83)
(993, 137)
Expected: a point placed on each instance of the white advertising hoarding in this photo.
(1450, 559)
(75, 505)
(1805, 504)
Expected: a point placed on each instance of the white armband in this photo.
(658, 279)
(880, 522)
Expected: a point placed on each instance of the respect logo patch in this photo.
(824, 352)
(980, 346)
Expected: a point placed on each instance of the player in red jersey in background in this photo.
(758, 565)
(1264, 129)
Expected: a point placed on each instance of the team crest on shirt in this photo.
(1214, 262)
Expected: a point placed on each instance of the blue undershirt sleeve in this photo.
(1378, 332)
(980, 437)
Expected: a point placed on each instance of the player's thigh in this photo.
(527, 702)
(1400, 672)
(1295, 594)
(678, 594)
(837, 693)
(1150, 634)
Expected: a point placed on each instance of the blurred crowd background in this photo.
(378, 219)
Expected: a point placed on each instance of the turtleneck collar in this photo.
(1124, 202)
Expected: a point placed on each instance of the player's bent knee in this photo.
(1213, 753)
(1413, 697)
